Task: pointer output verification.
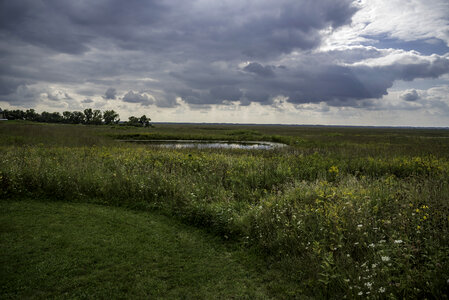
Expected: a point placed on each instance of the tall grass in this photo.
(336, 215)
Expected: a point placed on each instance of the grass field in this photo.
(355, 212)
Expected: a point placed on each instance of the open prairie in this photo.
(340, 211)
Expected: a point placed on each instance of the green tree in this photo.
(67, 117)
(88, 115)
(97, 117)
(133, 121)
(78, 117)
(49, 117)
(110, 117)
(16, 114)
(31, 115)
(144, 121)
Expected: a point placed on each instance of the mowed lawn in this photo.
(72, 250)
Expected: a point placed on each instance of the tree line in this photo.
(88, 117)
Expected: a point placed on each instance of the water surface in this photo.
(200, 144)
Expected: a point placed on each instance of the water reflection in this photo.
(180, 144)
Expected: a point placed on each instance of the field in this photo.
(341, 212)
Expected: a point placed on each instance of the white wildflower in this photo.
(373, 266)
(398, 241)
(360, 293)
(360, 225)
(381, 290)
(371, 245)
(385, 258)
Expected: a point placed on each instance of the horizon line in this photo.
(304, 125)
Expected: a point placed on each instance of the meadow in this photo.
(342, 212)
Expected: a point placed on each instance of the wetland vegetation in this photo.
(341, 211)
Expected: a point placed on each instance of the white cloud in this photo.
(397, 56)
(405, 20)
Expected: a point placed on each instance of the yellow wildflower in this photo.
(333, 169)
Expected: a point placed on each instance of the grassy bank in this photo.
(341, 212)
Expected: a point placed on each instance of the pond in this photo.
(200, 144)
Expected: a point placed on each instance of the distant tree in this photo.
(48, 117)
(16, 114)
(133, 121)
(67, 117)
(31, 115)
(110, 117)
(88, 115)
(77, 117)
(56, 117)
(44, 117)
(97, 117)
(144, 121)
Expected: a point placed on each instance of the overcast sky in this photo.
(341, 62)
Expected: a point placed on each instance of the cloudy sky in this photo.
(341, 62)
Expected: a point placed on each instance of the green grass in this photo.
(340, 212)
(72, 250)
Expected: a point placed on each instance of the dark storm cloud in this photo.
(110, 93)
(194, 51)
(229, 93)
(69, 26)
(256, 95)
(316, 80)
(159, 35)
(139, 98)
(260, 70)
(24, 96)
(410, 95)
(377, 79)
(9, 85)
(350, 83)
(312, 79)
(256, 29)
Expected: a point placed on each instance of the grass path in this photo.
(71, 250)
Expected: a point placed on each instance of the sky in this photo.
(328, 62)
